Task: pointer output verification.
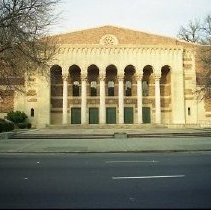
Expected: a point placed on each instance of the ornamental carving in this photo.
(31, 93)
(120, 77)
(102, 76)
(139, 77)
(83, 77)
(109, 39)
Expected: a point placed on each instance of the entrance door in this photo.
(93, 116)
(128, 115)
(146, 115)
(111, 115)
(75, 115)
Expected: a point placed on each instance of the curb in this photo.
(96, 152)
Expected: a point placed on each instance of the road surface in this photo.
(106, 180)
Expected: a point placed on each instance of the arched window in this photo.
(76, 88)
(93, 88)
(110, 88)
(32, 112)
(145, 88)
(128, 88)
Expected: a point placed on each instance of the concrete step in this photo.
(106, 135)
(61, 136)
(105, 126)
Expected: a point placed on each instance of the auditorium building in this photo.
(112, 76)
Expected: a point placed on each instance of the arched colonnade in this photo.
(94, 95)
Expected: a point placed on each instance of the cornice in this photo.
(67, 48)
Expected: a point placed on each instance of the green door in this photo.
(146, 115)
(93, 116)
(128, 115)
(111, 115)
(75, 115)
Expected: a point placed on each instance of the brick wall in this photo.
(7, 102)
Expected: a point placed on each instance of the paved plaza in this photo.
(107, 140)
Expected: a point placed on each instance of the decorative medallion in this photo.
(109, 39)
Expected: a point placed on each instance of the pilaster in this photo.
(121, 98)
(157, 99)
(65, 94)
(139, 98)
(102, 99)
(83, 99)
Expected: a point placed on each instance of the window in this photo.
(189, 111)
(110, 88)
(145, 88)
(76, 87)
(32, 112)
(128, 86)
(93, 88)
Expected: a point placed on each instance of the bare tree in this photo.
(190, 33)
(24, 44)
(200, 32)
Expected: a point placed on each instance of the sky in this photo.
(162, 17)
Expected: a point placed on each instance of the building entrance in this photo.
(93, 116)
(111, 115)
(75, 115)
(128, 115)
(146, 114)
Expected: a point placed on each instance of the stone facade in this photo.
(111, 75)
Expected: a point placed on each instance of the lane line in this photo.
(132, 161)
(147, 177)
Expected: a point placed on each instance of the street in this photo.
(105, 180)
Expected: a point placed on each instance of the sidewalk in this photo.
(166, 142)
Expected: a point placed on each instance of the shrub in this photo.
(22, 125)
(16, 117)
(6, 126)
(29, 125)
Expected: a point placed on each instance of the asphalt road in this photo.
(105, 180)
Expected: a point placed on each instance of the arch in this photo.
(75, 79)
(74, 72)
(111, 69)
(56, 93)
(130, 69)
(165, 74)
(111, 80)
(129, 73)
(165, 81)
(56, 74)
(93, 79)
(93, 72)
(147, 80)
(165, 93)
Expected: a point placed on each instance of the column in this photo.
(65, 93)
(139, 98)
(83, 99)
(121, 99)
(102, 99)
(157, 99)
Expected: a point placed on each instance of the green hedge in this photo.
(6, 126)
(16, 117)
(24, 125)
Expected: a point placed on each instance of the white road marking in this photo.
(147, 177)
(25, 178)
(38, 162)
(132, 161)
